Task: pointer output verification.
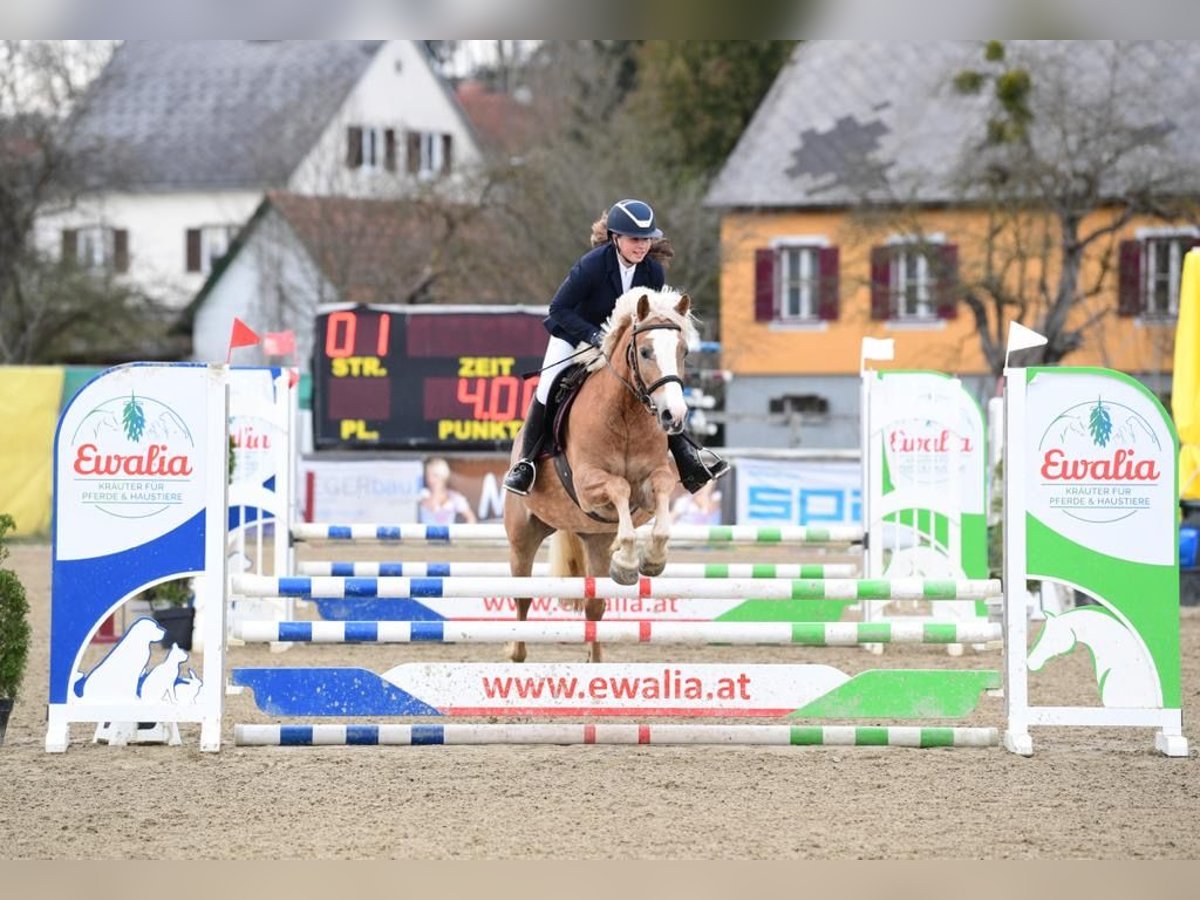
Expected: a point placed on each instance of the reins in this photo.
(640, 390)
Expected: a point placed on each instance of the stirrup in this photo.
(520, 477)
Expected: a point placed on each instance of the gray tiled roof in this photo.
(847, 120)
(215, 114)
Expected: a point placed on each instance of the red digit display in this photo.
(397, 377)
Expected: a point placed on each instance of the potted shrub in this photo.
(171, 606)
(14, 632)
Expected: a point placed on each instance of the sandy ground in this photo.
(1085, 794)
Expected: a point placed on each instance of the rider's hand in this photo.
(596, 339)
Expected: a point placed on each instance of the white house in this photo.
(189, 137)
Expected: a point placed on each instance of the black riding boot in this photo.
(520, 477)
(693, 471)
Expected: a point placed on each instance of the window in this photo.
(429, 154)
(796, 282)
(205, 246)
(371, 147)
(96, 248)
(914, 281)
(1150, 270)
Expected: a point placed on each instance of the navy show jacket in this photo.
(587, 295)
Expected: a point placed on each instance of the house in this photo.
(184, 139)
(844, 214)
(300, 251)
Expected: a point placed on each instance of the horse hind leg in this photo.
(516, 649)
(597, 547)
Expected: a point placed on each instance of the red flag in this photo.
(279, 343)
(242, 335)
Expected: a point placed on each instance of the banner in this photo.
(798, 492)
(29, 398)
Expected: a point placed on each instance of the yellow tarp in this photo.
(1185, 390)
(29, 403)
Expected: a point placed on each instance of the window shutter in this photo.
(120, 250)
(413, 162)
(193, 250)
(764, 285)
(881, 283)
(946, 288)
(354, 156)
(827, 285)
(447, 152)
(1129, 278)
(389, 149)
(70, 245)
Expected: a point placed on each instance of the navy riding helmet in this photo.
(632, 218)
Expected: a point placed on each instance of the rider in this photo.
(621, 261)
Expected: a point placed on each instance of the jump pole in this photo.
(654, 735)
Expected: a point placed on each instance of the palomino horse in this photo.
(617, 452)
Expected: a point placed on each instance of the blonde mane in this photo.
(662, 305)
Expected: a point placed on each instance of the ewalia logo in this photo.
(1099, 461)
(132, 457)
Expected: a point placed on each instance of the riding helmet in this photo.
(632, 218)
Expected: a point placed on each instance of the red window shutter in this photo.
(120, 250)
(193, 250)
(389, 149)
(827, 286)
(70, 245)
(881, 283)
(447, 152)
(946, 287)
(1129, 278)
(764, 284)
(354, 156)
(413, 162)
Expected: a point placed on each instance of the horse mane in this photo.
(662, 305)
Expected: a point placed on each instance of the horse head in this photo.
(646, 340)
(1056, 638)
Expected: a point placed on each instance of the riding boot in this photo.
(693, 471)
(521, 476)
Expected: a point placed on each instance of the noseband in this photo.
(639, 388)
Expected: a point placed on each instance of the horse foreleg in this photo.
(598, 490)
(654, 555)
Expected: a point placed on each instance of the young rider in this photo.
(583, 302)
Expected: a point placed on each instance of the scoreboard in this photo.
(426, 377)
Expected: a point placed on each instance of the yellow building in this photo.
(844, 215)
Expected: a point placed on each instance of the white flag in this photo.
(878, 348)
(1022, 338)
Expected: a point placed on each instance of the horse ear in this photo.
(684, 306)
(643, 306)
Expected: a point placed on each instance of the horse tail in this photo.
(567, 561)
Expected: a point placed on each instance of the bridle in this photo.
(642, 391)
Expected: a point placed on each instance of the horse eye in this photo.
(646, 353)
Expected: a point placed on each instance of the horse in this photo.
(617, 455)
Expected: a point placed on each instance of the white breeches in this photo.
(557, 352)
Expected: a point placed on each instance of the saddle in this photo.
(554, 444)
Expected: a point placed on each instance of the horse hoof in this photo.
(621, 575)
(516, 652)
(652, 570)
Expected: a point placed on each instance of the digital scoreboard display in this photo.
(397, 377)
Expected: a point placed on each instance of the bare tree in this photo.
(51, 309)
(1079, 143)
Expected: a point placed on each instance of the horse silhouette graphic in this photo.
(1125, 673)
